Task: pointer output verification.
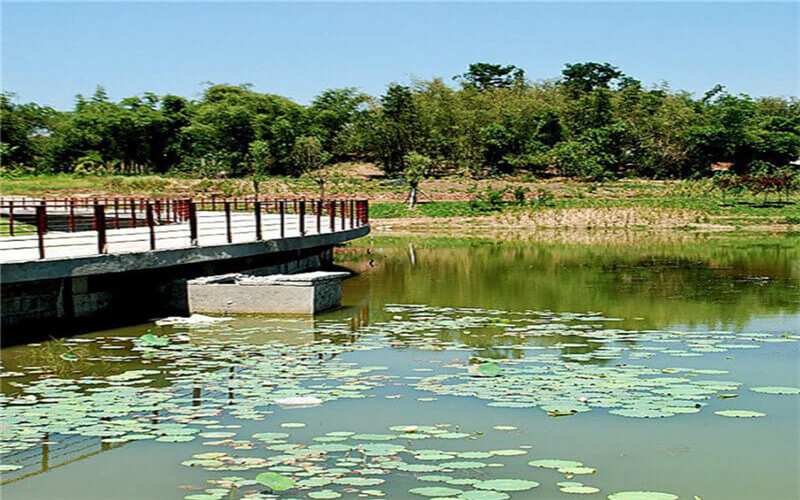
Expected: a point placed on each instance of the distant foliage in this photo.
(594, 122)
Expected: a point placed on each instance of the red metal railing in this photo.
(111, 216)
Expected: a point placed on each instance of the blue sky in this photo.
(52, 51)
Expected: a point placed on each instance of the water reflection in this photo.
(696, 284)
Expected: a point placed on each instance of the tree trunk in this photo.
(412, 197)
(321, 183)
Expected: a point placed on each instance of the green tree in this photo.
(260, 163)
(310, 159)
(491, 76)
(394, 136)
(26, 131)
(416, 169)
(333, 110)
(585, 77)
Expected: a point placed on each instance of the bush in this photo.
(519, 194)
(489, 200)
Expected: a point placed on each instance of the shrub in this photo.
(488, 200)
(519, 194)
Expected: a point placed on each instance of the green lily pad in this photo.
(740, 413)
(550, 463)
(642, 495)
(483, 495)
(776, 390)
(579, 490)
(435, 491)
(577, 470)
(485, 370)
(506, 485)
(359, 481)
(155, 340)
(641, 413)
(323, 494)
(275, 481)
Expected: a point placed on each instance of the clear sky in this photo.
(52, 51)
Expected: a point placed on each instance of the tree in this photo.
(260, 163)
(416, 169)
(309, 159)
(490, 76)
(585, 77)
(333, 110)
(26, 131)
(394, 136)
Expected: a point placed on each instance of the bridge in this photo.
(64, 260)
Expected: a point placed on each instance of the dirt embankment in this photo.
(573, 219)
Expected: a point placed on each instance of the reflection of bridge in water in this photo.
(64, 449)
(51, 455)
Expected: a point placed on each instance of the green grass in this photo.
(692, 195)
(437, 209)
(19, 228)
(743, 211)
(26, 185)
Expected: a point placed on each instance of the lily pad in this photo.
(275, 481)
(740, 413)
(324, 494)
(776, 390)
(485, 370)
(435, 491)
(579, 490)
(551, 463)
(483, 495)
(506, 485)
(641, 495)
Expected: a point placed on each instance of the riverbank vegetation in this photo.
(593, 123)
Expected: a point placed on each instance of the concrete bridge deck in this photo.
(211, 232)
(75, 254)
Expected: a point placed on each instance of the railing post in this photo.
(100, 226)
(343, 210)
(257, 208)
(228, 221)
(332, 214)
(282, 213)
(302, 217)
(193, 224)
(151, 224)
(133, 212)
(352, 213)
(11, 218)
(116, 213)
(319, 216)
(41, 224)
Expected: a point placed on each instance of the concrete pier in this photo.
(301, 294)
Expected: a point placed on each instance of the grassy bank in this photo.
(630, 203)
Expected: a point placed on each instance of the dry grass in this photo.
(603, 218)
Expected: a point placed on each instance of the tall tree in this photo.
(489, 76)
(585, 77)
(310, 159)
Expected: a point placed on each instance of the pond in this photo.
(457, 368)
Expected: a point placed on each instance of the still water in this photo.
(472, 369)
